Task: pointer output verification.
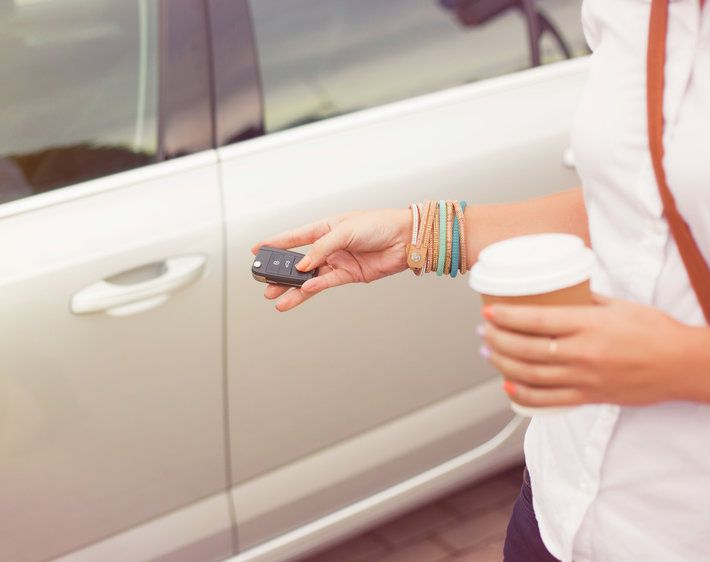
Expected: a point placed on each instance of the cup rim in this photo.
(505, 280)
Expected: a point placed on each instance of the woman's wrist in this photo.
(402, 220)
(404, 225)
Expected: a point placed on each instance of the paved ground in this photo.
(466, 526)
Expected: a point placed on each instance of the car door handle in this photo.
(122, 299)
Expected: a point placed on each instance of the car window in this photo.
(321, 58)
(79, 93)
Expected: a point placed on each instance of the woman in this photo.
(627, 475)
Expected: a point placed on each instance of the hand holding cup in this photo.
(542, 269)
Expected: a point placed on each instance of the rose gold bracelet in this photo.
(416, 253)
(435, 237)
(422, 210)
(415, 222)
(415, 229)
(430, 243)
(449, 235)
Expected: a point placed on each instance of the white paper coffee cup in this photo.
(542, 269)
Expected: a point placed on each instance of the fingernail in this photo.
(303, 264)
(509, 387)
(488, 312)
(485, 351)
(481, 330)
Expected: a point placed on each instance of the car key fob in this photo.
(274, 265)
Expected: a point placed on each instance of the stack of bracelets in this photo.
(438, 238)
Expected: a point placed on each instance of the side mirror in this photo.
(478, 12)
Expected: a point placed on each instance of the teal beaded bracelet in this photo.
(455, 243)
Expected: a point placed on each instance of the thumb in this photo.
(336, 239)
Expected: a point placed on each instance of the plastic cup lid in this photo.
(532, 265)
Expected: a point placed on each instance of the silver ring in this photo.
(553, 346)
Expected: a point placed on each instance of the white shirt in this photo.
(610, 483)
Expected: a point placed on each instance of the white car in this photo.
(153, 405)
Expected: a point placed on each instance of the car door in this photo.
(369, 105)
(111, 381)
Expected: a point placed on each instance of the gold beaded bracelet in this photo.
(449, 234)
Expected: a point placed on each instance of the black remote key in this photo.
(274, 265)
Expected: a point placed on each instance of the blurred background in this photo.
(65, 62)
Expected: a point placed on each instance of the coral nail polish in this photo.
(488, 312)
(509, 387)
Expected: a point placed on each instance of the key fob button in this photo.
(261, 261)
(274, 264)
(286, 265)
(298, 274)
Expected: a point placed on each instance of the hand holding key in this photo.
(354, 247)
(274, 265)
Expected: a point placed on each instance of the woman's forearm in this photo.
(689, 369)
(561, 212)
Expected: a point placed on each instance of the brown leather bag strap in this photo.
(695, 263)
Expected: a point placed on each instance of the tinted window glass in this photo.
(79, 93)
(321, 58)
